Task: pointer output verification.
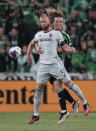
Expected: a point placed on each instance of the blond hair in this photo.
(52, 13)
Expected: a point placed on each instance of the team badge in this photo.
(50, 35)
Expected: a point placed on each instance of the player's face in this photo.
(44, 22)
(58, 23)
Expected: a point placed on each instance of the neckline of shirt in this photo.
(48, 31)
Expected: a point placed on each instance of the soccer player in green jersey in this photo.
(57, 18)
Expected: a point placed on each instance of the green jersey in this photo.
(67, 41)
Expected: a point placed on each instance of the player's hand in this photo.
(39, 50)
(77, 51)
(73, 50)
(29, 61)
(59, 49)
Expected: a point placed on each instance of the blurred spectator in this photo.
(18, 38)
(74, 16)
(56, 3)
(22, 2)
(91, 57)
(33, 10)
(78, 60)
(84, 6)
(74, 36)
(12, 3)
(78, 64)
(22, 64)
(2, 13)
(43, 3)
(31, 15)
(88, 35)
(92, 17)
(3, 41)
(14, 34)
(14, 18)
(28, 12)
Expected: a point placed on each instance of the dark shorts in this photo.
(52, 79)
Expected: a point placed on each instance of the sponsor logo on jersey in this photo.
(45, 39)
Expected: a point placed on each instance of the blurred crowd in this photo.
(19, 21)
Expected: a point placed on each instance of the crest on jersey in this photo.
(50, 35)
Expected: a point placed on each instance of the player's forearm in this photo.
(68, 49)
(36, 46)
(30, 47)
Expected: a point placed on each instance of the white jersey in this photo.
(48, 42)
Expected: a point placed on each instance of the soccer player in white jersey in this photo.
(48, 40)
(57, 20)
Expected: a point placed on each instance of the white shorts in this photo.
(56, 70)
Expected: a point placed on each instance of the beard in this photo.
(45, 28)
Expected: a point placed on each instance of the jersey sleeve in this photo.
(66, 38)
(35, 37)
(60, 39)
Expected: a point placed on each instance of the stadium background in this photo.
(19, 21)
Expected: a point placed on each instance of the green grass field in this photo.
(47, 122)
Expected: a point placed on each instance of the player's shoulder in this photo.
(64, 33)
(38, 33)
(56, 32)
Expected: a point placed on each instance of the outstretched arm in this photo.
(67, 48)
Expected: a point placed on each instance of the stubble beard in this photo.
(46, 28)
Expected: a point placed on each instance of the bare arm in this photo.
(38, 48)
(29, 50)
(67, 48)
(30, 47)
